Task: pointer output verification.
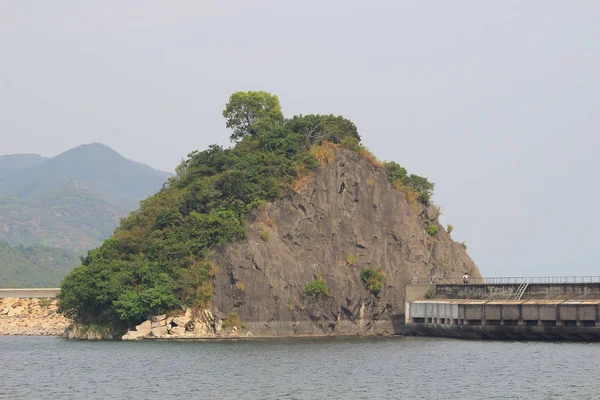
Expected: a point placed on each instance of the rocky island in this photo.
(295, 230)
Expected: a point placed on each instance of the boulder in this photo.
(160, 331)
(182, 321)
(15, 312)
(156, 324)
(144, 328)
(178, 331)
(158, 318)
(132, 335)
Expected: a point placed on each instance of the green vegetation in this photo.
(430, 294)
(432, 230)
(317, 289)
(450, 228)
(73, 219)
(416, 187)
(464, 245)
(373, 279)
(157, 258)
(34, 266)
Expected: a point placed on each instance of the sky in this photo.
(498, 103)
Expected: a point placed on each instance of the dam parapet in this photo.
(512, 308)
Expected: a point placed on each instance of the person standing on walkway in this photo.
(466, 278)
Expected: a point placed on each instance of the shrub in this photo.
(430, 294)
(317, 289)
(373, 279)
(464, 245)
(432, 230)
(394, 172)
(450, 228)
(45, 302)
(398, 177)
(240, 286)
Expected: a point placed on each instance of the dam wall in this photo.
(508, 311)
(29, 293)
(545, 291)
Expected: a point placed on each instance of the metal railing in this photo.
(510, 280)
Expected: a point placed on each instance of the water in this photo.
(337, 368)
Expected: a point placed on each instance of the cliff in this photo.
(349, 217)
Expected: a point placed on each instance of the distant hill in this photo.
(72, 218)
(35, 266)
(73, 200)
(94, 167)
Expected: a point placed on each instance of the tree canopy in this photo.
(248, 113)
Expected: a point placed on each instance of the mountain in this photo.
(73, 200)
(34, 266)
(13, 162)
(94, 167)
(296, 229)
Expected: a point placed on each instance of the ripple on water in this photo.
(324, 368)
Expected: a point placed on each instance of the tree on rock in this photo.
(249, 113)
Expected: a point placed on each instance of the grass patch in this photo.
(303, 178)
(432, 230)
(367, 155)
(265, 235)
(373, 279)
(352, 259)
(449, 228)
(233, 319)
(324, 153)
(317, 289)
(410, 195)
(240, 286)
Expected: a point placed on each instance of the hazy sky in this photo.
(497, 102)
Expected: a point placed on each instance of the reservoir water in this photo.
(315, 368)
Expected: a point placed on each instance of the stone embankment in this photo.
(201, 324)
(24, 316)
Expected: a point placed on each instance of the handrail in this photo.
(510, 280)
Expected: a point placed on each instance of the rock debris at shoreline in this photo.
(30, 317)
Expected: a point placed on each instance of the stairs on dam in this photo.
(520, 290)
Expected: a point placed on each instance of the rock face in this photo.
(31, 317)
(348, 217)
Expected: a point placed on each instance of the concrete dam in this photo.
(566, 308)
